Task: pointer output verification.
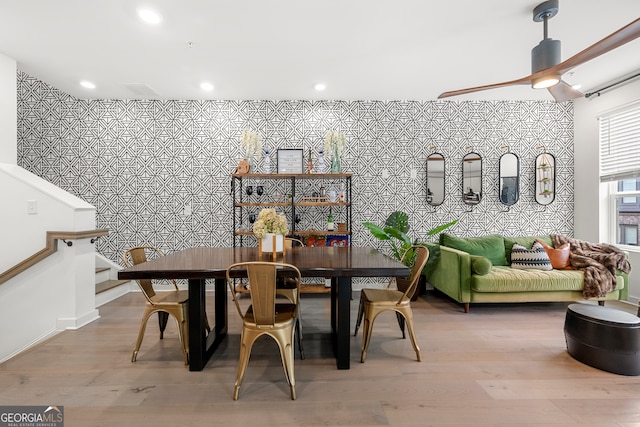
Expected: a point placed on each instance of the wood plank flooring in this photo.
(499, 365)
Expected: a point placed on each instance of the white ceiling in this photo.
(278, 49)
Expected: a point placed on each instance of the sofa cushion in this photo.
(559, 256)
(491, 247)
(480, 265)
(535, 258)
(526, 241)
(507, 279)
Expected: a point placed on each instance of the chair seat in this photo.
(171, 297)
(383, 296)
(285, 315)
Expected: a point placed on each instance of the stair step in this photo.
(101, 269)
(109, 284)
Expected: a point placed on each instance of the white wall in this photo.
(590, 215)
(8, 110)
(59, 292)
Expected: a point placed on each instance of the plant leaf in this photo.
(398, 235)
(441, 228)
(398, 220)
(377, 231)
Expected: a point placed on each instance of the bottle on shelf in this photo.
(267, 162)
(309, 163)
(321, 161)
(330, 224)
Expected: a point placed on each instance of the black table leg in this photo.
(201, 346)
(343, 323)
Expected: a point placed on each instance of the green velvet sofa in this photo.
(477, 270)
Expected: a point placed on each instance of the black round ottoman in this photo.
(604, 338)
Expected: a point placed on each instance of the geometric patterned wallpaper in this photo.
(140, 162)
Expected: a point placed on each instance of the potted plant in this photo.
(395, 231)
(271, 227)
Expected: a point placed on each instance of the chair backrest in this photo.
(420, 255)
(290, 242)
(138, 255)
(262, 287)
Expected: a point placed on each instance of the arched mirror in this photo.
(435, 179)
(472, 178)
(545, 178)
(509, 190)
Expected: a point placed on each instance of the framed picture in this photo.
(290, 160)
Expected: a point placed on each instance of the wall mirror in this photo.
(435, 179)
(472, 178)
(509, 173)
(545, 178)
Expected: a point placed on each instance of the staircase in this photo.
(108, 287)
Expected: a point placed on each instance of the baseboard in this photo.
(41, 338)
(73, 323)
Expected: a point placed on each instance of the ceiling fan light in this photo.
(545, 81)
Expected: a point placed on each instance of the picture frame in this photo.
(290, 160)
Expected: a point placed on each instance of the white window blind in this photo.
(620, 144)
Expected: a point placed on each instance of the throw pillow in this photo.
(525, 241)
(535, 258)
(480, 265)
(559, 256)
(491, 246)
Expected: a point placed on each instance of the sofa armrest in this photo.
(452, 274)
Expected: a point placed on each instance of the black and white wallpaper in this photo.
(142, 162)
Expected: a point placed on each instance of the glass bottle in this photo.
(309, 163)
(267, 162)
(321, 161)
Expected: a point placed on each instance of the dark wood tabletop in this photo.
(206, 263)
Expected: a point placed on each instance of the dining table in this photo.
(196, 265)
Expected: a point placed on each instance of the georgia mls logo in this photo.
(31, 416)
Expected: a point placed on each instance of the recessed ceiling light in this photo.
(320, 86)
(150, 16)
(87, 84)
(206, 86)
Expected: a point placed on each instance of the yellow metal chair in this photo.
(167, 303)
(376, 301)
(264, 316)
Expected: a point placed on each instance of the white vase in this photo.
(268, 243)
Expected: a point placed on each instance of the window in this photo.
(628, 235)
(620, 166)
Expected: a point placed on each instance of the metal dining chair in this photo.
(376, 301)
(264, 316)
(173, 302)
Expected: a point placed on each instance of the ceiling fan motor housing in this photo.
(545, 55)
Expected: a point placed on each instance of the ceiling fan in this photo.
(546, 67)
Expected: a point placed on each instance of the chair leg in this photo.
(287, 355)
(246, 342)
(366, 333)
(401, 323)
(143, 326)
(359, 318)
(163, 316)
(408, 315)
(299, 335)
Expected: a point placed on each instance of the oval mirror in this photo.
(509, 173)
(545, 178)
(435, 179)
(472, 178)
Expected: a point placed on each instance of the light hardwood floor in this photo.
(499, 365)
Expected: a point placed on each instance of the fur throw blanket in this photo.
(599, 261)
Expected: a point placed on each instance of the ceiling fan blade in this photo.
(564, 92)
(522, 81)
(614, 40)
